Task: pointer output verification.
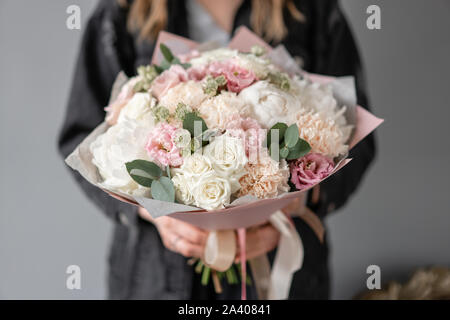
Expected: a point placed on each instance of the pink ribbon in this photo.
(242, 248)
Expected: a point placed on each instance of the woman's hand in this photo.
(259, 241)
(178, 236)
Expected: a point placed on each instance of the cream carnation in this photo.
(319, 98)
(190, 93)
(216, 111)
(211, 192)
(268, 104)
(227, 156)
(265, 179)
(324, 136)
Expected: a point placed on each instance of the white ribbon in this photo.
(288, 259)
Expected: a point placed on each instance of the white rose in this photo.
(211, 192)
(196, 165)
(183, 187)
(268, 104)
(227, 155)
(121, 143)
(137, 108)
(216, 111)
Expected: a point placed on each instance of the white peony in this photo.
(211, 192)
(268, 104)
(121, 143)
(227, 155)
(138, 108)
(190, 93)
(217, 111)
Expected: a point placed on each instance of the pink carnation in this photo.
(161, 148)
(168, 79)
(249, 131)
(310, 170)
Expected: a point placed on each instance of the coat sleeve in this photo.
(335, 53)
(97, 65)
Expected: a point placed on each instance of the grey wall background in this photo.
(399, 219)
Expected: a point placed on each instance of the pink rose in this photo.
(161, 147)
(126, 93)
(310, 170)
(168, 79)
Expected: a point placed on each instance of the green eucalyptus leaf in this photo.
(191, 120)
(166, 52)
(291, 136)
(165, 65)
(284, 152)
(281, 127)
(163, 190)
(299, 150)
(158, 69)
(143, 172)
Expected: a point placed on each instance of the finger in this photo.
(192, 234)
(188, 249)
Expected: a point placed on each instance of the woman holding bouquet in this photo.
(148, 258)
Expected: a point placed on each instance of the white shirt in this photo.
(202, 27)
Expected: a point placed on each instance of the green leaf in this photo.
(299, 150)
(284, 152)
(143, 172)
(158, 69)
(168, 172)
(291, 136)
(166, 52)
(281, 127)
(165, 65)
(190, 121)
(163, 190)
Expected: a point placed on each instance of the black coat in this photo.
(140, 266)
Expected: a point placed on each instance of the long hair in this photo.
(149, 17)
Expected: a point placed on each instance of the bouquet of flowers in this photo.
(221, 137)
